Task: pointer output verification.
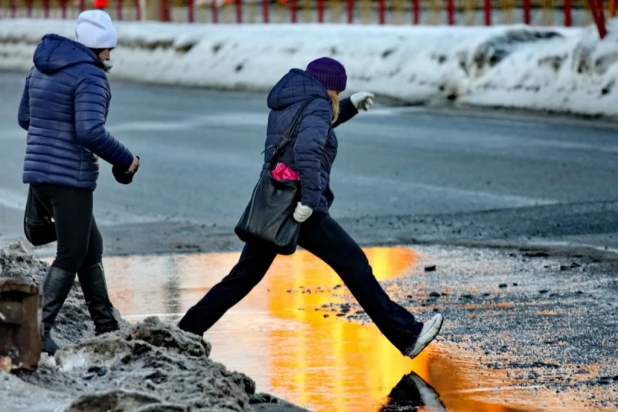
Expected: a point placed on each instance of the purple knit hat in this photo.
(329, 72)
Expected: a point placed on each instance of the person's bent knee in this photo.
(95, 253)
(71, 260)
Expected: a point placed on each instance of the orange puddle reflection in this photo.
(277, 337)
(334, 365)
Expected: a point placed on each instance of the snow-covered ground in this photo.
(563, 70)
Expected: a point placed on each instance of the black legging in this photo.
(322, 236)
(80, 244)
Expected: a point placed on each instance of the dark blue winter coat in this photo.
(313, 149)
(64, 107)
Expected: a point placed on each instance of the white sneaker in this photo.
(430, 330)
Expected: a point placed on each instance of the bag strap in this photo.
(289, 133)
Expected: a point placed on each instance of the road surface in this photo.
(402, 174)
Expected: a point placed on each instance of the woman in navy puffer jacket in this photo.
(64, 107)
(309, 157)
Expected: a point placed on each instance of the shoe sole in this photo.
(416, 352)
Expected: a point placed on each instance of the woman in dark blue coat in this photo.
(64, 107)
(309, 156)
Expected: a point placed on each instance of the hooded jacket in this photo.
(313, 149)
(64, 106)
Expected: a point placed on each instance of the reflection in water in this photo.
(330, 363)
(412, 393)
(292, 350)
(171, 289)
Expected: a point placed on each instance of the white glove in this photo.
(302, 212)
(362, 100)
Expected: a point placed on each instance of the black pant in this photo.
(322, 236)
(80, 244)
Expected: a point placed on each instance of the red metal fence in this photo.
(397, 12)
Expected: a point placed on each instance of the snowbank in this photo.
(563, 70)
(146, 367)
(73, 322)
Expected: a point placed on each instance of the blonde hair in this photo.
(334, 101)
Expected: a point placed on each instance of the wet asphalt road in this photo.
(538, 326)
(402, 174)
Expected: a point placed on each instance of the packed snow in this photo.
(532, 68)
(149, 366)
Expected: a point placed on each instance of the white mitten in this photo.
(302, 212)
(362, 100)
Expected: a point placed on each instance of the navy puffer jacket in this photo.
(313, 149)
(64, 107)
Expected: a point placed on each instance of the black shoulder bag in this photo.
(39, 226)
(268, 218)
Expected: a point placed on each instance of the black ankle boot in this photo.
(92, 281)
(56, 285)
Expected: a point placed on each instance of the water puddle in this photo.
(292, 350)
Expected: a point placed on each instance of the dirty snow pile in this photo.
(550, 69)
(146, 367)
(73, 321)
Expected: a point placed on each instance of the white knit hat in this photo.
(95, 30)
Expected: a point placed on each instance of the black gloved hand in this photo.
(122, 175)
